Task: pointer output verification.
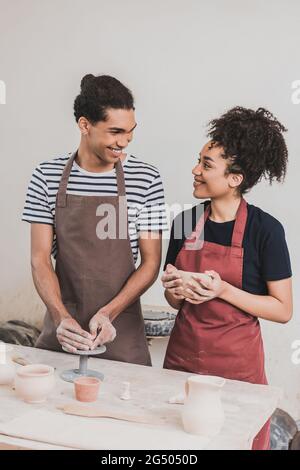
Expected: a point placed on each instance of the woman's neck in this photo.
(224, 209)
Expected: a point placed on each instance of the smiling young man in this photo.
(92, 296)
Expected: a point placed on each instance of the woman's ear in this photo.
(235, 180)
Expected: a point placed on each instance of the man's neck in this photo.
(88, 161)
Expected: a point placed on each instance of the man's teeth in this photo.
(116, 150)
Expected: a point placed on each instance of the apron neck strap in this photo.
(120, 179)
(240, 224)
(62, 189)
(238, 230)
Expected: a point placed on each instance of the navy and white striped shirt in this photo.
(144, 194)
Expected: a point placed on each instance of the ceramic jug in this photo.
(202, 410)
(7, 368)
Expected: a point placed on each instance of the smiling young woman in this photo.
(217, 330)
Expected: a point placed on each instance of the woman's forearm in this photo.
(261, 306)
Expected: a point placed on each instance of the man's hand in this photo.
(72, 337)
(102, 330)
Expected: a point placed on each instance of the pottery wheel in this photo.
(83, 371)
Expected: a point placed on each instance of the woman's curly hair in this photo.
(253, 143)
(99, 93)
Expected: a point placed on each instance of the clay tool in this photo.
(125, 395)
(22, 361)
(99, 412)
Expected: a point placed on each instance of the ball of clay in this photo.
(187, 278)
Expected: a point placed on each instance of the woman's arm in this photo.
(276, 306)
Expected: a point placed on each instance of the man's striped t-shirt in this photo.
(144, 194)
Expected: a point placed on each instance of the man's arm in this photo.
(44, 276)
(70, 334)
(146, 274)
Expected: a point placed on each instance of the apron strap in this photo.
(62, 189)
(193, 242)
(240, 225)
(120, 179)
(61, 198)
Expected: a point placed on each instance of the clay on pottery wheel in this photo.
(34, 383)
(203, 413)
(86, 388)
(7, 369)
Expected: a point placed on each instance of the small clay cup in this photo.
(86, 388)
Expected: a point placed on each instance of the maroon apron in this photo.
(92, 271)
(215, 337)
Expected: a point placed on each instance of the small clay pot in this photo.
(86, 388)
(34, 382)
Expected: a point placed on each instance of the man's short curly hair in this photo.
(253, 143)
(99, 93)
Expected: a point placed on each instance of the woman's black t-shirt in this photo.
(266, 255)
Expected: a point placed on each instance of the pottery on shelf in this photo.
(86, 388)
(158, 323)
(33, 383)
(7, 368)
(202, 412)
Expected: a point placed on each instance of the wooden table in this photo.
(247, 407)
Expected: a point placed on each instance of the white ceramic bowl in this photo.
(34, 382)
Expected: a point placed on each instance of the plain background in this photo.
(186, 62)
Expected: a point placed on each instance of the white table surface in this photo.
(247, 407)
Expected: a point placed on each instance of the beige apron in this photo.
(91, 271)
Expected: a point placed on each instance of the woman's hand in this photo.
(173, 282)
(204, 290)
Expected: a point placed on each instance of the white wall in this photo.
(186, 62)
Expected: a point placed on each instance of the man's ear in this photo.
(83, 125)
(235, 180)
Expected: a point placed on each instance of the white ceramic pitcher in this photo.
(202, 411)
